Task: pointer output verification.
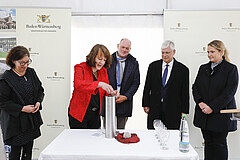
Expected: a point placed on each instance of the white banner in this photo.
(192, 31)
(47, 35)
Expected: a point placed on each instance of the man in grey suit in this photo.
(123, 76)
(166, 90)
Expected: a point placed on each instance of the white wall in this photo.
(94, 6)
(203, 4)
(125, 6)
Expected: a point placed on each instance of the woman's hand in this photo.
(31, 108)
(37, 105)
(205, 108)
(115, 93)
(202, 105)
(28, 108)
(108, 88)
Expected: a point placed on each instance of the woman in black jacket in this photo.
(213, 90)
(21, 94)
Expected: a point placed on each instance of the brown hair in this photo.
(218, 45)
(90, 58)
(15, 54)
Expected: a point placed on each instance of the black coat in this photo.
(217, 90)
(177, 94)
(129, 85)
(13, 121)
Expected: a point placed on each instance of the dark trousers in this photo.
(215, 145)
(26, 151)
(159, 115)
(121, 122)
(90, 121)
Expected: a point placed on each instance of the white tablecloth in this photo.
(92, 145)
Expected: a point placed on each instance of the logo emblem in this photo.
(204, 49)
(43, 19)
(230, 24)
(55, 73)
(179, 24)
(55, 121)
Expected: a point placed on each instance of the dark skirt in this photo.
(91, 120)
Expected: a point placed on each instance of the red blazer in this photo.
(84, 87)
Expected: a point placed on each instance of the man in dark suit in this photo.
(166, 90)
(124, 76)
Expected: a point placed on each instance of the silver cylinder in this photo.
(110, 117)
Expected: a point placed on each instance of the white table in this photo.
(80, 144)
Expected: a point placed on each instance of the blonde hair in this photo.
(219, 45)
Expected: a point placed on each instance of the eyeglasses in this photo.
(167, 52)
(24, 63)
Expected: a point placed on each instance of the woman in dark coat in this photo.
(21, 94)
(213, 90)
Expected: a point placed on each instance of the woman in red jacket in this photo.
(90, 86)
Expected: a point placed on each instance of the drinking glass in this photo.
(164, 138)
(157, 125)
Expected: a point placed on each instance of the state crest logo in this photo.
(43, 19)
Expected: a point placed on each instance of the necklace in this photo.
(19, 74)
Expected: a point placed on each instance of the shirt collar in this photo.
(117, 57)
(215, 64)
(170, 64)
